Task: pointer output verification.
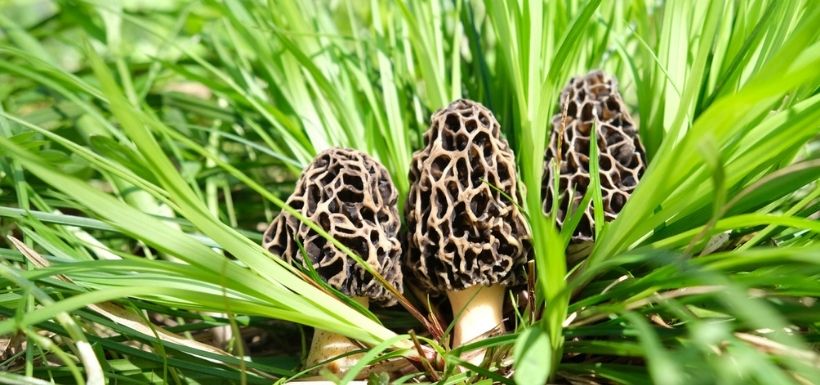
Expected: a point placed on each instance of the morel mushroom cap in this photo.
(350, 196)
(587, 102)
(463, 228)
(466, 234)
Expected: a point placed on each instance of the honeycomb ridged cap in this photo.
(464, 225)
(351, 196)
(592, 101)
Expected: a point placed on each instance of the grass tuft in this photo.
(145, 145)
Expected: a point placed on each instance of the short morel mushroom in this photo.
(466, 235)
(350, 196)
(587, 102)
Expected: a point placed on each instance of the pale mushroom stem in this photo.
(327, 345)
(477, 311)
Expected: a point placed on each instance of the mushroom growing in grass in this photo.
(466, 235)
(586, 102)
(351, 197)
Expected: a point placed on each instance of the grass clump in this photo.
(144, 147)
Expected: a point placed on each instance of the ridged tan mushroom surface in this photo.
(464, 229)
(352, 197)
(590, 101)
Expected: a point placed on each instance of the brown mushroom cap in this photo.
(351, 196)
(463, 231)
(585, 102)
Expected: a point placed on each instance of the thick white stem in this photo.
(327, 345)
(478, 312)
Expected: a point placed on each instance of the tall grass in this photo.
(145, 144)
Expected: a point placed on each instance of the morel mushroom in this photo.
(592, 101)
(350, 196)
(467, 236)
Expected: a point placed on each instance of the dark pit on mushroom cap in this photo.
(352, 197)
(586, 102)
(463, 228)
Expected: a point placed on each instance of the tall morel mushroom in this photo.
(586, 102)
(466, 236)
(350, 196)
